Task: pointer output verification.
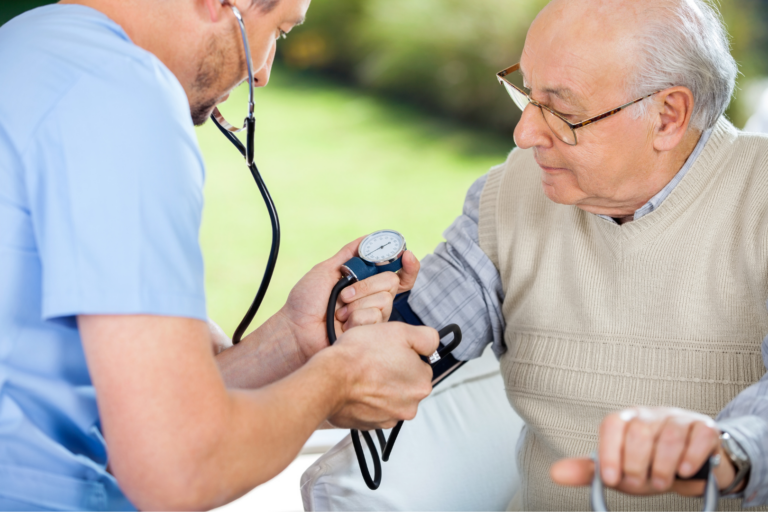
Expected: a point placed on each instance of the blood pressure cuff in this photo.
(402, 312)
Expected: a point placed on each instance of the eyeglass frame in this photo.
(500, 76)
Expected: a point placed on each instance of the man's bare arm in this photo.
(177, 438)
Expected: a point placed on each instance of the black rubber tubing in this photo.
(274, 220)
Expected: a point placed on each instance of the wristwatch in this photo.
(740, 461)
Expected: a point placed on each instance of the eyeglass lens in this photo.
(561, 130)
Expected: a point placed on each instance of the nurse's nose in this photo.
(261, 77)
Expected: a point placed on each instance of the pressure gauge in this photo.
(379, 252)
(382, 247)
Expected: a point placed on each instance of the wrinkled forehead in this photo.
(581, 51)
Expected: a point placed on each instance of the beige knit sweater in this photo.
(668, 310)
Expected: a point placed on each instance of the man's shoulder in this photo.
(68, 51)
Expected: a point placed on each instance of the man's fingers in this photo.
(703, 440)
(367, 316)
(424, 340)
(384, 282)
(572, 472)
(409, 272)
(381, 301)
(639, 439)
(670, 446)
(346, 253)
(610, 450)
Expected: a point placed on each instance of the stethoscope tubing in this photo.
(275, 222)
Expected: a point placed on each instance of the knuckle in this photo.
(638, 431)
(672, 436)
(710, 434)
(664, 474)
(611, 422)
(361, 288)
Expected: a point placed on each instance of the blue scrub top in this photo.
(100, 206)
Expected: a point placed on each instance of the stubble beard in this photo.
(209, 84)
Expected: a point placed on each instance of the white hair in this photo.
(685, 43)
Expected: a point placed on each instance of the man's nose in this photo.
(532, 130)
(261, 77)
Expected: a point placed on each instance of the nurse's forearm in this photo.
(177, 439)
(265, 356)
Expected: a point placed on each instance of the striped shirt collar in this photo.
(654, 203)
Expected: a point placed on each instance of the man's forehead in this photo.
(554, 84)
(572, 56)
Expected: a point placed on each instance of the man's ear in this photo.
(214, 8)
(674, 108)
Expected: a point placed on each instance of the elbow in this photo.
(171, 488)
(173, 476)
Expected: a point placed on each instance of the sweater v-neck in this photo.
(635, 234)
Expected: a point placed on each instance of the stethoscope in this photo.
(247, 151)
(381, 251)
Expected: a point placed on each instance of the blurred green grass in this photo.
(339, 164)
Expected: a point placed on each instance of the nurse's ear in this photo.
(215, 8)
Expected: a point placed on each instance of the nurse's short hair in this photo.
(685, 43)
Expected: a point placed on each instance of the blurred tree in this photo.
(11, 8)
(747, 22)
(442, 54)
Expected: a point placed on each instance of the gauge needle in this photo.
(380, 248)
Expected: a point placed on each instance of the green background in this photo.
(380, 114)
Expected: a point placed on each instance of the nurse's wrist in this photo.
(264, 356)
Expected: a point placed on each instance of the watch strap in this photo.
(740, 461)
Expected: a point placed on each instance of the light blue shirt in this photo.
(100, 207)
(459, 284)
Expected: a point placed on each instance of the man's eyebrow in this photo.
(563, 93)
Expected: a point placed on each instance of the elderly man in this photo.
(637, 281)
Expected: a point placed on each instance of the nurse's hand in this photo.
(364, 303)
(643, 448)
(384, 377)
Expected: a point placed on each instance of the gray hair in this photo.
(685, 43)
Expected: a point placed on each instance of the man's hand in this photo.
(642, 449)
(365, 302)
(385, 377)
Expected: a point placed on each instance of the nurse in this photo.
(110, 394)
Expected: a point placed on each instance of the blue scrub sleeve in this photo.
(116, 193)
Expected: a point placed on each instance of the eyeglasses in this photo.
(561, 127)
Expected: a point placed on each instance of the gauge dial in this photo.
(382, 247)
